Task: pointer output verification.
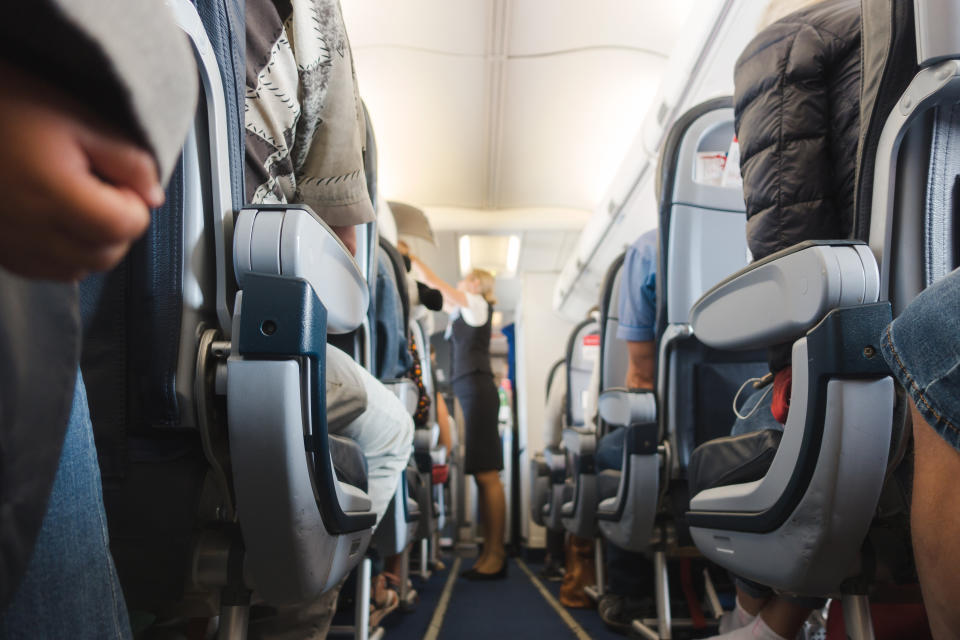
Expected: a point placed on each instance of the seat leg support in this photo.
(712, 598)
(856, 617)
(233, 622)
(424, 558)
(404, 575)
(435, 548)
(362, 612)
(663, 594)
(644, 631)
(600, 569)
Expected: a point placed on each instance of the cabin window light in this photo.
(465, 264)
(498, 254)
(513, 254)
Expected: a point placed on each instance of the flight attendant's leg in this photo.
(493, 504)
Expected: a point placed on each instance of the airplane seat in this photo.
(577, 513)
(544, 475)
(805, 521)
(701, 239)
(627, 498)
(210, 330)
(427, 450)
(397, 337)
(398, 527)
(349, 463)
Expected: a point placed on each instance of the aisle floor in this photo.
(521, 606)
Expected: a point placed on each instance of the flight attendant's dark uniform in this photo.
(473, 385)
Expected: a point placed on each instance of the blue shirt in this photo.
(638, 290)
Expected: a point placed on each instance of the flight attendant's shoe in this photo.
(473, 574)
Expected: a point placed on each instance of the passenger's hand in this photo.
(75, 193)
(403, 248)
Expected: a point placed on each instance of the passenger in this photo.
(91, 129)
(472, 303)
(922, 348)
(630, 592)
(393, 358)
(796, 100)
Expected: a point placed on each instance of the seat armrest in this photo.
(582, 445)
(579, 441)
(349, 463)
(621, 407)
(422, 440)
(779, 298)
(556, 459)
(406, 391)
(291, 240)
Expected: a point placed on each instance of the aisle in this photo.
(452, 608)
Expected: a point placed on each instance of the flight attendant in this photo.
(471, 304)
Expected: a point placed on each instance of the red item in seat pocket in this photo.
(780, 405)
(440, 473)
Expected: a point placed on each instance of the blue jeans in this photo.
(922, 348)
(629, 573)
(70, 589)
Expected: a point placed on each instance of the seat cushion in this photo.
(608, 483)
(732, 460)
(348, 462)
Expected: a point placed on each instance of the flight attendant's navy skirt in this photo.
(481, 407)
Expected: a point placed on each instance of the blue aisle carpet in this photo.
(511, 608)
(412, 625)
(589, 619)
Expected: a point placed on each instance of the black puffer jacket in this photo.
(796, 100)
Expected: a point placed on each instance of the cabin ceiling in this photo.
(502, 104)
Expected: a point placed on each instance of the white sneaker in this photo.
(757, 630)
(732, 620)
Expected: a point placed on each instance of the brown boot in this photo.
(581, 572)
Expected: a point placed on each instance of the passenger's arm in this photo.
(425, 274)
(641, 368)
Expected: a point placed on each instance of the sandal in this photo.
(383, 600)
(393, 581)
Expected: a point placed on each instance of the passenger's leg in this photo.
(630, 595)
(751, 598)
(935, 520)
(745, 610)
(384, 431)
(922, 349)
(553, 563)
(785, 617)
(71, 588)
(493, 504)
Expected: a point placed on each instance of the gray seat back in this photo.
(905, 183)
(582, 352)
(613, 354)
(702, 241)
